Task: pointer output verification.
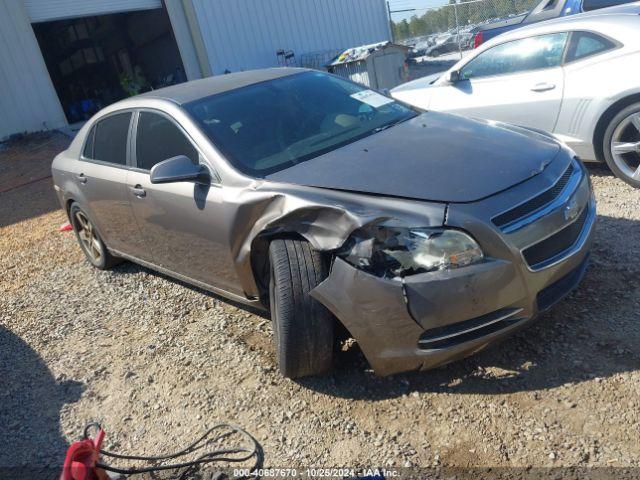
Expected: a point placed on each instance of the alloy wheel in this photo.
(625, 146)
(88, 237)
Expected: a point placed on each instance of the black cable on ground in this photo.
(228, 455)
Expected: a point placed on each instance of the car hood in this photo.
(434, 156)
(420, 83)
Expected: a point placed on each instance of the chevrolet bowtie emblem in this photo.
(571, 209)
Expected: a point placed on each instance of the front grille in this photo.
(556, 244)
(536, 203)
(555, 292)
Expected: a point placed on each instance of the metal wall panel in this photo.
(245, 34)
(28, 101)
(46, 10)
(354, 71)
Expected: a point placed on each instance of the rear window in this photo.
(586, 44)
(109, 139)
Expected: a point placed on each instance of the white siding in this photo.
(245, 34)
(46, 10)
(28, 101)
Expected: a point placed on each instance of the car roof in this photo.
(196, 89)
(602, 19)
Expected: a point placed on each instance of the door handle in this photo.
(138, 191)
(543, 87)
(81, 178)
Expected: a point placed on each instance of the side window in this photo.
(88, 146)
(158, 139)
(110, 139)
(585, 44)
(589, 5)
(533, 53)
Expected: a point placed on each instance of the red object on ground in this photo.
(81, 459)
(65, 227)
(478, 39)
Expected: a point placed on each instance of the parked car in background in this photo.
(545, 10)
(575, 77)
(445, 44)
(308, 195)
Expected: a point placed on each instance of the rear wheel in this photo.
(303, 328)
(622, 145)
(89, 240)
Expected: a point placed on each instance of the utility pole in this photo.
(455, 11)
(390, 22)
(396, 11)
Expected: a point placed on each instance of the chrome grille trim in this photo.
(585, 221)
(538, 254)
(468, 330)
(542, 204)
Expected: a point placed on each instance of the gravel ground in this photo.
(156, 361)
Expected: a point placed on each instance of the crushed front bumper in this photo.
(430, 319)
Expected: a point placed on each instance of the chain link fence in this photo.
(447, 31)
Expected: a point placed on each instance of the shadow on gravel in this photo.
(26, 189)
(30, 403)
(599, 170)
(593, 333)
(130, 268)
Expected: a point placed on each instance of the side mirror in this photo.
(179, 169)
(385, 91)
(453, 76)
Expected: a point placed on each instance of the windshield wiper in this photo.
(392, 124)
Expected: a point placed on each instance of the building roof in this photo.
(196, 89)
(357, 54)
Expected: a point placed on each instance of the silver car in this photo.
(577, 77)
(426, 236)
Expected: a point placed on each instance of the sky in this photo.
(421, 7)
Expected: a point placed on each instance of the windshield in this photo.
(270, 126)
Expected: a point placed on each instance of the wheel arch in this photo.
(260, 259)
(606, 117)
(261, 270)
(67, 206)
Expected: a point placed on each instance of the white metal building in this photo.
(60, 60)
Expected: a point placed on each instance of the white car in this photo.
(577, 77)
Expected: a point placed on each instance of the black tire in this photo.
(633, 136)
(303, 328)
(105, 259)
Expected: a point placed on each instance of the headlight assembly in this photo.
(392, 252)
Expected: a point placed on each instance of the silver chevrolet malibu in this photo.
(424, 235)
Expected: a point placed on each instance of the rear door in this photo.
(183, 224)
(101, 178)
(520, 82)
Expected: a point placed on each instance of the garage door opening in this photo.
(95, 61)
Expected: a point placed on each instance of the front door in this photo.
(181, 223)
(519, 82)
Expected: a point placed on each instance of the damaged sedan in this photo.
(425, 236)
